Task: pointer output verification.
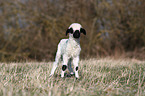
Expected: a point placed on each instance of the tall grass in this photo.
(97, 77)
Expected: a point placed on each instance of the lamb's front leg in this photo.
(76, 62)
(64, 65)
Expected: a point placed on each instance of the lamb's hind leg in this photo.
(55, 64)
(70, 67)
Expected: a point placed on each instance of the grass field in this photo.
(98, 77)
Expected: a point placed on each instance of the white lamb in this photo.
(69, 50)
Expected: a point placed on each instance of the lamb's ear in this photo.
(83, 31)
(69, 31)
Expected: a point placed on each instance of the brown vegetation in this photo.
(98, 77)
(31, 29)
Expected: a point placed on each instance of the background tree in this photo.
(32, 29)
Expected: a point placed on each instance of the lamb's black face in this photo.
(76, 34)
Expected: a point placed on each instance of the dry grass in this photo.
(97, 77)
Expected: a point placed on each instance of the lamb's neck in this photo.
(74, 41)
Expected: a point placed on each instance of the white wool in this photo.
(69, 47)
(75, 26)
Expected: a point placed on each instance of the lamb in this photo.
(69, 50)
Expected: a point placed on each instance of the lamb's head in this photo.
(75, 29)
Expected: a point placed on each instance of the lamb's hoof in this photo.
(69, 75)
(61, 76)
(72, 73)
(77, 78)
(50, 75)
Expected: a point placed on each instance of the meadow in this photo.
(98, 77)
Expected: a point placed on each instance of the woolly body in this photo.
(69, 47)
(69, 50)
